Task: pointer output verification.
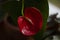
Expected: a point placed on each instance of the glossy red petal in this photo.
(25, 26)
(31, 23)
(35, 16)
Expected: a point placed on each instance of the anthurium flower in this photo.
(31, 22)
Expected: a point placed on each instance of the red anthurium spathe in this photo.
(31, 22)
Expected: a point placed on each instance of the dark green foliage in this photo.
(14, 10)
(2, 13)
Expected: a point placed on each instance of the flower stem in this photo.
(22, 7)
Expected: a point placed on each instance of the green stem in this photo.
(22, 7)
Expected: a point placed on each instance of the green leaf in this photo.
(2, 14)
(14, 9)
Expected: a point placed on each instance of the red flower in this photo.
(31, 22)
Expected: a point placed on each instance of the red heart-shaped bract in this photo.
(31, 22)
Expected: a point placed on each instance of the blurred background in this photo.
(54, 9)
